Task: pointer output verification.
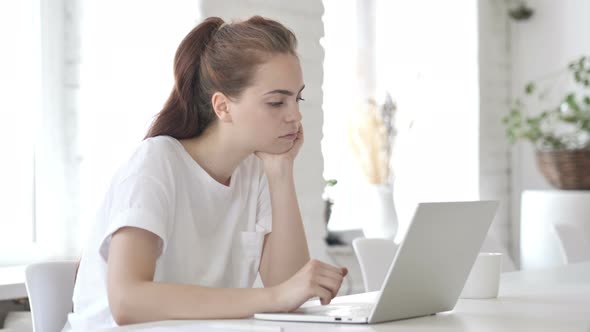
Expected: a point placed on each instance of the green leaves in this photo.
(570, 101)
(519, 127)
(514, 124)
(580, 70)
(559, 127)
(529, 88)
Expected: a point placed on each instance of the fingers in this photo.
(332, 275)
(327, 267)
(344, 271)
(327, 276)
(333, 285)
(324, 294)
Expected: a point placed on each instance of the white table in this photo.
(12, 283)
(555, 299)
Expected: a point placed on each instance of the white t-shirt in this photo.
(211, 234)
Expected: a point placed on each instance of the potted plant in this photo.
(560, 133)
(331, 238)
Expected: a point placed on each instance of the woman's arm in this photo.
(285, 256)
(134, 297)
(285, 248)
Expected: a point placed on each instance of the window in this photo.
(20, 84)
(69, 121)
(425, 55)
(340, 95)
(34, 224)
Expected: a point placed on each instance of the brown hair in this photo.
(216, 56)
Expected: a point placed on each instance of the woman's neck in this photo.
(215, 153)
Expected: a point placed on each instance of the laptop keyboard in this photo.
(339, 310)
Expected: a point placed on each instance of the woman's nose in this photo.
(294, 115)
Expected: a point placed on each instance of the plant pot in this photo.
(565, 169)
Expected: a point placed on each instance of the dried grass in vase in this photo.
(371, 139)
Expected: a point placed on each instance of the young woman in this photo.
(186, 224)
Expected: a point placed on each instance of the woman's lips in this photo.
(290, 136)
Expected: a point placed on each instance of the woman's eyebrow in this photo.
(285, 92)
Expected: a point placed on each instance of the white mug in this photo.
(484, 280)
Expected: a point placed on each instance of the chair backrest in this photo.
(575, 246)
(50, 286)
(375, 257)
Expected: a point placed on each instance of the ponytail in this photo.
(186, 113)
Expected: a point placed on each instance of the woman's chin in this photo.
(277, 148)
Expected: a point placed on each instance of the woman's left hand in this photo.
(278, 162)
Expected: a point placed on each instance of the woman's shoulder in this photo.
(156, 148)
(158, 145)
(154, 156)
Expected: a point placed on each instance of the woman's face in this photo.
(266, 116)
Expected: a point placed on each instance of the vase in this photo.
(380, 217)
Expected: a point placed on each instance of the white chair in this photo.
(375, 257)
(541, 210)
(50, 286)
(575, 246)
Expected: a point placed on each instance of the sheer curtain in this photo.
(32, 141)
(20, 90)
(342, 91)
(80, 83)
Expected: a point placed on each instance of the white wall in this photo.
(556, 34)
(494, 90)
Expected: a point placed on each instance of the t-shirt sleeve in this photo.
(138, 201)
(264, 209)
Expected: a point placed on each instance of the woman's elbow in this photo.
(121, 308)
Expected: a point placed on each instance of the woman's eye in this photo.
(280, 103)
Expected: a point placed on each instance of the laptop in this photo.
(427, 274)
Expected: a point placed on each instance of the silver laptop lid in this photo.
(434, 260)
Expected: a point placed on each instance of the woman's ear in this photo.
(220, 104)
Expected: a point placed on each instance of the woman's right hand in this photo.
(314, 279)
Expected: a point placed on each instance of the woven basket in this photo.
(566, 169)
